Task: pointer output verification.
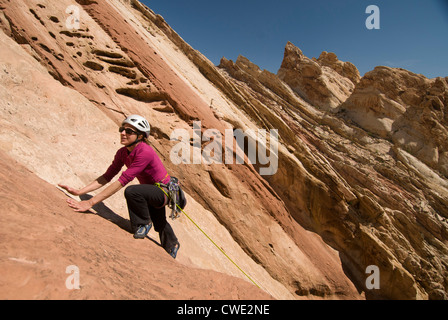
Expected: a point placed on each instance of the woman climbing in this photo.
(146, 201)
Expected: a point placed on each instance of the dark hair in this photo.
(145, 139)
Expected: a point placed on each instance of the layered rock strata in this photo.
(362, 166)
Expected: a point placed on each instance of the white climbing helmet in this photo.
(139, 123)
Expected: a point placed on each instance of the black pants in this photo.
(146, 203)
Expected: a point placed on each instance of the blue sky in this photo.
(413, 34)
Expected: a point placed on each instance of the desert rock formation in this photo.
(361, 179)
(325, 82)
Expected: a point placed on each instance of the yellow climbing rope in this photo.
(211, 240)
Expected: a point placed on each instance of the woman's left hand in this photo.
(79, 206)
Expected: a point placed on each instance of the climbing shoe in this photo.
(174, 249)
(142, 231)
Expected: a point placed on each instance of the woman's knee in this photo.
(132, 192)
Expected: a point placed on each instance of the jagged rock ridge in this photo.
(348, 193)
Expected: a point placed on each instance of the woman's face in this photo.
(128, 138)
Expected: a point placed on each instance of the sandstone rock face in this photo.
(348, 193)
(60, 113)
(406, 108)
(362, 192)
(325, 82)
(345, 69)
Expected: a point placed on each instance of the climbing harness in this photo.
(176, 198)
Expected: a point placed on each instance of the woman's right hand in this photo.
(70, 190)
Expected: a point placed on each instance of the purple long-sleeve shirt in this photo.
(142, 163)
